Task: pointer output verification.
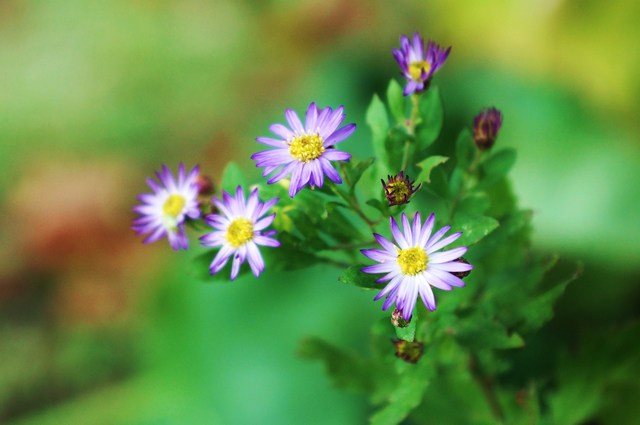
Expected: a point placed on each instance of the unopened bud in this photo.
(410, 352)
(397, 320)
(485, 128)
(204, 184)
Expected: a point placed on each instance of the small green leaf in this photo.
(432, 115)
(378, 122)
(497, 166)
(427, 165)
(232, 178)
(478, 332)
(409, 333)
(383, 207)
(396, 101)
(473, 227)
(354, 276)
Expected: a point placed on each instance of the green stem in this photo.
(486, 384)
(470, 171)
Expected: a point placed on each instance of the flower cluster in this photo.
(303, 154)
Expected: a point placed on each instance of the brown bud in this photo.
(410, 352)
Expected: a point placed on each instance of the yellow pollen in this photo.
(415, 69)
(399, 190)
(240, 232)
(307, 147)
(412, 260)
(173, 205)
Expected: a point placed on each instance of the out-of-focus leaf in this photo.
(232, 178)
(427, 165)
(431, 114)
(497, 166)
(378, 122)
(407, 394)
(396, 101)
(395, 146)
(478, 333)
(358, 170)
(344, 369)
(355, 276)
(465, 150)
(383, 207)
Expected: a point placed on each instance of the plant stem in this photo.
(471, 170)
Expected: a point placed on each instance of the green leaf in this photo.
(465, 150)
(344, 369)
(383, 207)
(355, 276)
(497, 166)
(478, 333)
(396, 102)
(427, 165)
(358, 170)
(394, 145)
(473, 227)
(408, 333)
(232, 178)
(407, 395)
(432, 115)
(378, 122)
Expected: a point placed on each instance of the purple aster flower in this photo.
(163, 212)
(418, 65)
(305, 152)
(485, 127)
(414, 265)
(239, 231)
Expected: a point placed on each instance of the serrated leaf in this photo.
(497, 166)
(432, 115)
(396, 101)
(355, 276)
(344, 369)
(378, 122)
(473, 227)
(407, 395)
(427, 165)
(232, 178)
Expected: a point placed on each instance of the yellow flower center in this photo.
(415, 69)
(307, 147)
(412, 260)
(399, 191)
(240, 232)
(173, 205)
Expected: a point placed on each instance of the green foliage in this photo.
(232, 177)
(378, 122)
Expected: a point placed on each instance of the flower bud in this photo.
(399, 189)
(461, 275)
(485, 128)
(204, 184)
(397, 320)
(410, 352)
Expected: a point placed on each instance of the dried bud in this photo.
(410, 352)
(485, 128)
(397, 320)
(398, 189)
(205, 185)
(461, 275)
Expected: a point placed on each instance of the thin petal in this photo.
(445, 256)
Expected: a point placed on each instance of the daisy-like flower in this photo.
(305, 152)
(163, 212)
(485, 127)
(399, 189)
(239, 231)
(417, 63)
(413, 264)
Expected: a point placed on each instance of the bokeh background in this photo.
(96, 328)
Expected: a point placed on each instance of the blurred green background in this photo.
(96, 328)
